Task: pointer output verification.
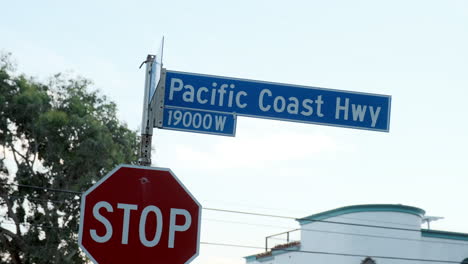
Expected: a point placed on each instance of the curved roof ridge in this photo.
(364, 208)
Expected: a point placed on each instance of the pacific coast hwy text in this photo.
(277, 101)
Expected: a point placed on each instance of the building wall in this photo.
(340, 238)
(400, 236)
(444, 249)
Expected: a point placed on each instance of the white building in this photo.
(367, 234)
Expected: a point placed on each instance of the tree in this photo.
(56, 140)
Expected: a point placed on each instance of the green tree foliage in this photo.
(60, 136)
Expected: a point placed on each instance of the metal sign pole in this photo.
(146, 120)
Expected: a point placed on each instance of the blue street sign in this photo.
(277, 101)
(205, 122)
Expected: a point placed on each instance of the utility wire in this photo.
(38, 199)
(295, 250)
(293, 230)
(332, 253)
(334, 232)
(323, 252)
(42, 188)
(230, 245)
(37, 225)
(256, 208)
(375, 256)
(249, 213)
(312, 220)
(258, 214)
(276, 216)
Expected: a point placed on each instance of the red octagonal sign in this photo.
(139, 215)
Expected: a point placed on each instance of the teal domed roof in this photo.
(399, 208)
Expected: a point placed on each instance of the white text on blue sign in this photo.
(199, 121)
(278, 101)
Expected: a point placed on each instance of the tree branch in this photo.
(15, 152)
(10, 212)
(4, 233)
(36, 150)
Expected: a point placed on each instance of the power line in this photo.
(37, 199)
(307, 230)
(375, 256)
(231, 211)
(245, 223)
(318, 252)
(42, 188)
(230, 245)
(332, 253)
(256, 208)
(336, 232)
(386, 237)
(271, 216)
(294, 250)
(37, 225)
(288, 250)
(250, 213)
(312, 220)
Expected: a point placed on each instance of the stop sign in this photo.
(139, 215)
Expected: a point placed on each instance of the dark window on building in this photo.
(368, 260)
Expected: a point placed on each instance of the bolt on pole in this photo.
(147, 119)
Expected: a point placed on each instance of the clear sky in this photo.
(416, 51)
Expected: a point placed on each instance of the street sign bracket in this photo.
(157, 104)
